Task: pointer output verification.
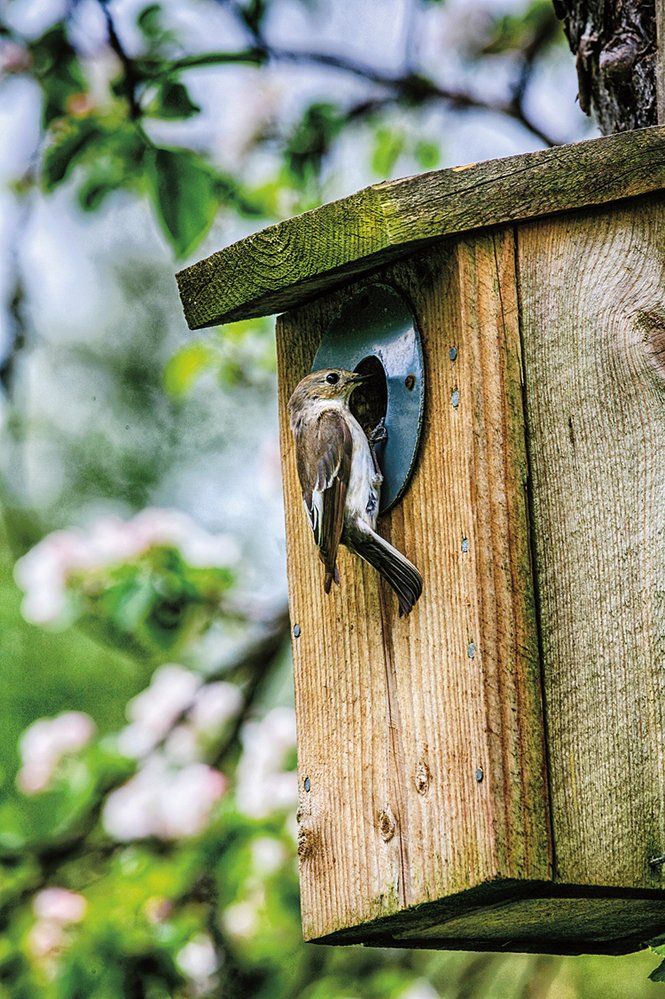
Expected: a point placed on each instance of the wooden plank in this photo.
(660, 61)
(593, 313)
(290, 263)
(399, 718)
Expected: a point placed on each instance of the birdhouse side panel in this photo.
(420, 743)
(593, 314)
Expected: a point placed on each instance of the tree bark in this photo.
(615, 42)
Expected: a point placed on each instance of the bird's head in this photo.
(326, 384)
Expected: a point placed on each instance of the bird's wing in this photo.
(324, 448)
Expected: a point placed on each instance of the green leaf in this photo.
(149, 21)
(70, 144)
(427, 154)
(183, 188)
(173, 101)
(93, 192)
(312, 138)
(388, 147)
(658, 975)
(58, 71)
(185, 366)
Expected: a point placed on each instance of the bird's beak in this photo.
(358, 378)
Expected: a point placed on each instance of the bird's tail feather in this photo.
(402, 576)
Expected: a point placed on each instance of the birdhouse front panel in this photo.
(420, 738)
(486, 771)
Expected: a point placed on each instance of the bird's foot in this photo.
(379, 433)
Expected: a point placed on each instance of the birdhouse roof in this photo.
(292, 262)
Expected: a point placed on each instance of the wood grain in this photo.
(397, 718)
(592, 291)
(288, 264)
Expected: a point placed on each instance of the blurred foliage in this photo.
(147, 845)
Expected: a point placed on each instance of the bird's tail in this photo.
(404, 578)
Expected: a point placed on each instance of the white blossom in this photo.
(268, 855)
(241, 919)
(198, 959)
(264, 784)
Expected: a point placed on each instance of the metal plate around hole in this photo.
(378, 322)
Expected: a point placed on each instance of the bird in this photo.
(341, 480)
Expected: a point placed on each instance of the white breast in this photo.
(362, 498)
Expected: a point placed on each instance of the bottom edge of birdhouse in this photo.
(519, 917)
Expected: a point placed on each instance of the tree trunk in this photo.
(615, 42)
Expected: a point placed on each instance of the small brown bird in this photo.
(341, 480)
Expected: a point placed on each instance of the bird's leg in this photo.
(377, 436)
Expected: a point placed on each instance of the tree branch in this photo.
(130, 77)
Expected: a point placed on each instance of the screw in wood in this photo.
(296, 631)
(452, 353)
(471, 650)
(454, 399)
(307, 784)
(479, 774)
(465, 545)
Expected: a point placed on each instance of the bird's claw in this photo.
(379, 433)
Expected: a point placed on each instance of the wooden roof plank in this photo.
(290, 263)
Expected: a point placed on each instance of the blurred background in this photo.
(147, 760)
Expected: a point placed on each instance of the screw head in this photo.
(296, 631)
(479, 774)
(454, 399)
(452, 353)
(307, 784)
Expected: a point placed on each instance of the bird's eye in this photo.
(332, 378)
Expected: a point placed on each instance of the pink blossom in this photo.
(43, 573)
(14, 58)
(264, 783)
(46, 939)
(153, 712)
(164, 801)
(214, 706)
(44, 744)
(59, 905)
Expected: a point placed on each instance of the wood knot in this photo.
(308, 841)
(423, 777)
(617, 58)
(651, 326)
(387, 824)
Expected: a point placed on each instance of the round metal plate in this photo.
(378, 322)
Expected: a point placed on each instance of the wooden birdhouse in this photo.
(487, 772)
